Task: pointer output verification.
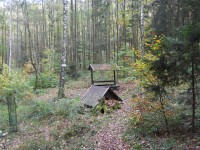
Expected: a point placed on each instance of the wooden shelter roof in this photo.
(104, 67)
(95, 93)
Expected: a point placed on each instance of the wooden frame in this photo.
(104, 67)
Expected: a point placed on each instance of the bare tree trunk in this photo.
(18, 55)
(72, 31)
(94, 31)
(64, 52)
(51, 37)
(117, 28)
(10, 38)
(89, 33)
(12, 113)
(75, 33)
(108, 33)
(163, 112)
(193, 94)
(142, 28)
(33, 63)
(3, 38)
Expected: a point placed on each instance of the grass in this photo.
(3, 117)
(47, 123)
(53, 124)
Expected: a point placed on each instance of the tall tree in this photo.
(10, 38)
(64, 53)
(142, 27)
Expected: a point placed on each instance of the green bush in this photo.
(44, 109)
(13, 83)
(72, 72)
(40, 110)
(4, 117)
(46, 80)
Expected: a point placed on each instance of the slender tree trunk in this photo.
(164, 112)
(142, 28)
(3, 41)
(117, 28)
(75, 33)
(51, 36)
(94, 32)
(108, 32)
(18, 55)
(27, 27)
(72, 32)
(10, 38)
(12, 113)
(64, 52)
(89, 33)
(193, 94)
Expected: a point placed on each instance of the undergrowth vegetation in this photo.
(46, 80)
(165, 103)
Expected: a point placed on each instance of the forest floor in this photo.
(110, 137)
(46, 123)
(104, 133)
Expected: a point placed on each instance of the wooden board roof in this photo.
(96, 93)
(104, 67)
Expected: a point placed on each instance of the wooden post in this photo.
(115, 78)
(92, 81)
(12, 113)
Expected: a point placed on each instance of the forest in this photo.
(49, 50)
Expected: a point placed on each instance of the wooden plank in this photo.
(102, 81)
(96, 93)
(93, 95)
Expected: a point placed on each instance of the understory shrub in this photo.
(14, 83)
(46, 80)
(69, 108)
(72, 72)
(4, 117)
(148, 119)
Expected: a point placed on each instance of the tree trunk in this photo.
(33, 63)
(64, 53)
(142, 27)
(117, 28)
(193, 94)
(10, 38)
(12, 113)
(75, 33)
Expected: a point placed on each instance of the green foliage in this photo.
(46, 80)
(40, 110)
(14, 84)
(126, 55)
(4, 117)
(148, 119)
(45, 109)
(72, 72)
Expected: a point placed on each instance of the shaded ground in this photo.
(103, 132)
(110, 136)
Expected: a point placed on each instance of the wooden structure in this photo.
(104, 67)
(97, 93)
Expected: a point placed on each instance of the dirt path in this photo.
(110, 137)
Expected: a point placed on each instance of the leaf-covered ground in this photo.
(47, 124)
(110, 136)
(86, 131)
